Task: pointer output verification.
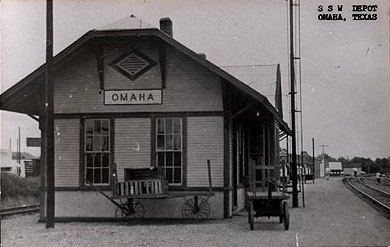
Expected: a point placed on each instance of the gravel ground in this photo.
(385, 183)
(333, 216)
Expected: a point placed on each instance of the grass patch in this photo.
(17, 191)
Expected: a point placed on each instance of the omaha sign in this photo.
(133, 97)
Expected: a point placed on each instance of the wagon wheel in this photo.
(132, 209)
(251, 219)
(286, 216)
(281, 214)
(196, 207)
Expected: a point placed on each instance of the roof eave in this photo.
(168, 39)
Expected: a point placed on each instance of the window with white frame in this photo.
(169, 148)
(97, 151)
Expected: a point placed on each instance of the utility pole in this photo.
(323, 149)
(314, 160)
(49, 120)
(292, 94)
(19, 148)
(17, 151)
(348, 157)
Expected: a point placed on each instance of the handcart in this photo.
(268, 199)
(127, 195)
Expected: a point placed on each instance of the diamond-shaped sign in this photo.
(132, 64)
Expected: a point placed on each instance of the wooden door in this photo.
(257, 156)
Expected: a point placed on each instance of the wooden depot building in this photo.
(129, 96)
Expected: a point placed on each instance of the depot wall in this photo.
(191, 93)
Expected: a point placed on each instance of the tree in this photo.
(343, 160)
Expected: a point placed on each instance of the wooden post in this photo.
(226, 146)
(292, 94)
(42, 171)
(314, 163)
(49, 109)
(19, 148)
(209, 173)
(302, 181)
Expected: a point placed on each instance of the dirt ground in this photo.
(333, 216)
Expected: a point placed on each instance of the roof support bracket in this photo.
(41, 101)
(162, 60)
(242, 110)
(34, 117)
(100, 65)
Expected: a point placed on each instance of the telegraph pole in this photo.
(314, 160)
(19, 148)
(323, 149)
(348, 156)
(49, 120)
(293, 137)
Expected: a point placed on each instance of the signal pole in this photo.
(292, 94)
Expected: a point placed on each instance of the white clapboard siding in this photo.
(189, 84)
(67, 152)
(204, 141)
(77, 86)
(132, 144)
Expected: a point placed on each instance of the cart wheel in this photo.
(251, 217)
(130, 210)
(196, 207)
(281, 215)
(286, 216)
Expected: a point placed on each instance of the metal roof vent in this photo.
(132, 64)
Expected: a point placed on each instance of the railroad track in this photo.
(377, 196)
(19, 210)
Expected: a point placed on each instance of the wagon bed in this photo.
(271, 203)
(151, 189)
(126, 195)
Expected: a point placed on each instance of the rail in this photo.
(375, 195)
(362, 181)
(19, 210)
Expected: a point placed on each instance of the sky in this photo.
(344, 64)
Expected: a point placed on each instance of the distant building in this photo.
(11, 165)
(305, 159)
(319, 168)
(349, 169)
(335, 168)
(31, 163)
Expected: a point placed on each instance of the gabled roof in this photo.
(262, 78)
(130, 22)
(352, 165)
(26, 86)
(23, 156)
(335, 166)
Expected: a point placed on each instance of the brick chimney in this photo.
(166, 26)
